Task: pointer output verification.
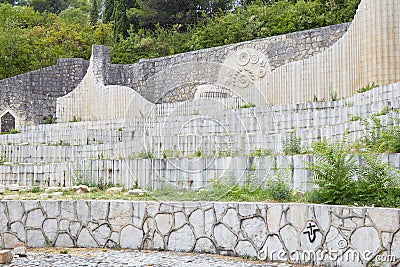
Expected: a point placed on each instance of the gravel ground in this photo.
(114, 258)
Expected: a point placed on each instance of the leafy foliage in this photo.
(342, 180)
(35, 36)
(291, 144)
(333, 172)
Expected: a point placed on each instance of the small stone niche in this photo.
(7, 122)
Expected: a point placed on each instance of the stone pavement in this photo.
(114, 258)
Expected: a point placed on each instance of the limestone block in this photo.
(297, 215)
(245, 248)
(15, 210)
(50, 228)
(274, 216)
(204, 245)
(98, 210)
(74, 228)
(224, 237)
(35, 218)
(120, 214)
(82, 211)
(131, 237)
(86, 240)
(385, 219)
(395, 249)
(290, 237)
(197, 219)
(209, 221)
(18, 228)
(273, 249)
(246, 210)
(138, 213)
(366, 239)
(164, 223)
(255, 230)
(50, 208)
(3, 218)
(334, 240)
(102, 233)
(35, 239)
(158, 241)
(182, 239)
(322, 216)
(5, 256)
(179, 219)
(68, 210)
(310, 239)
(219, 209)
(64, 240)
(231, 219)
(11, 240)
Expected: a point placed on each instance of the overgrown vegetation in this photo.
(291, 144)
(343, 180)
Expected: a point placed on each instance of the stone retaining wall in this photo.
(178, 173)
(32, 96)
(335, 235)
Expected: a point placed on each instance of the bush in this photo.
(333, 172)
(291, 145)
(279, 189)
(341, 180)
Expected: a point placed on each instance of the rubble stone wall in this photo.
(339, 235)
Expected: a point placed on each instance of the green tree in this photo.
(94, 13)
(108, 11)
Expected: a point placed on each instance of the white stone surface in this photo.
(35, 218)
(182, 239)
(102, 233)
(50, 229)
(224, 237)
(35, 239)
(164, 223)
(274, 215)
(290, 237)
(246, 248)
(231, 219)
(205, 245)
(366, 239)
(85, 239)
(131, 237)
(98, 210)
(64, 240)
(255, 230)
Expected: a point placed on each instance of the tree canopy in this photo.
(34, 34)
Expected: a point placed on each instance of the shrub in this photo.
(279, 189)
(333, 172)
(291, 144)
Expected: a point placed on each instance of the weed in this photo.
(49, 119)
(3, 158)
(279, 187)
(64, 251)
(355, 118)
(367, 87)
(146, 154)
(198, 153)
(248, 105)
(291, 144)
